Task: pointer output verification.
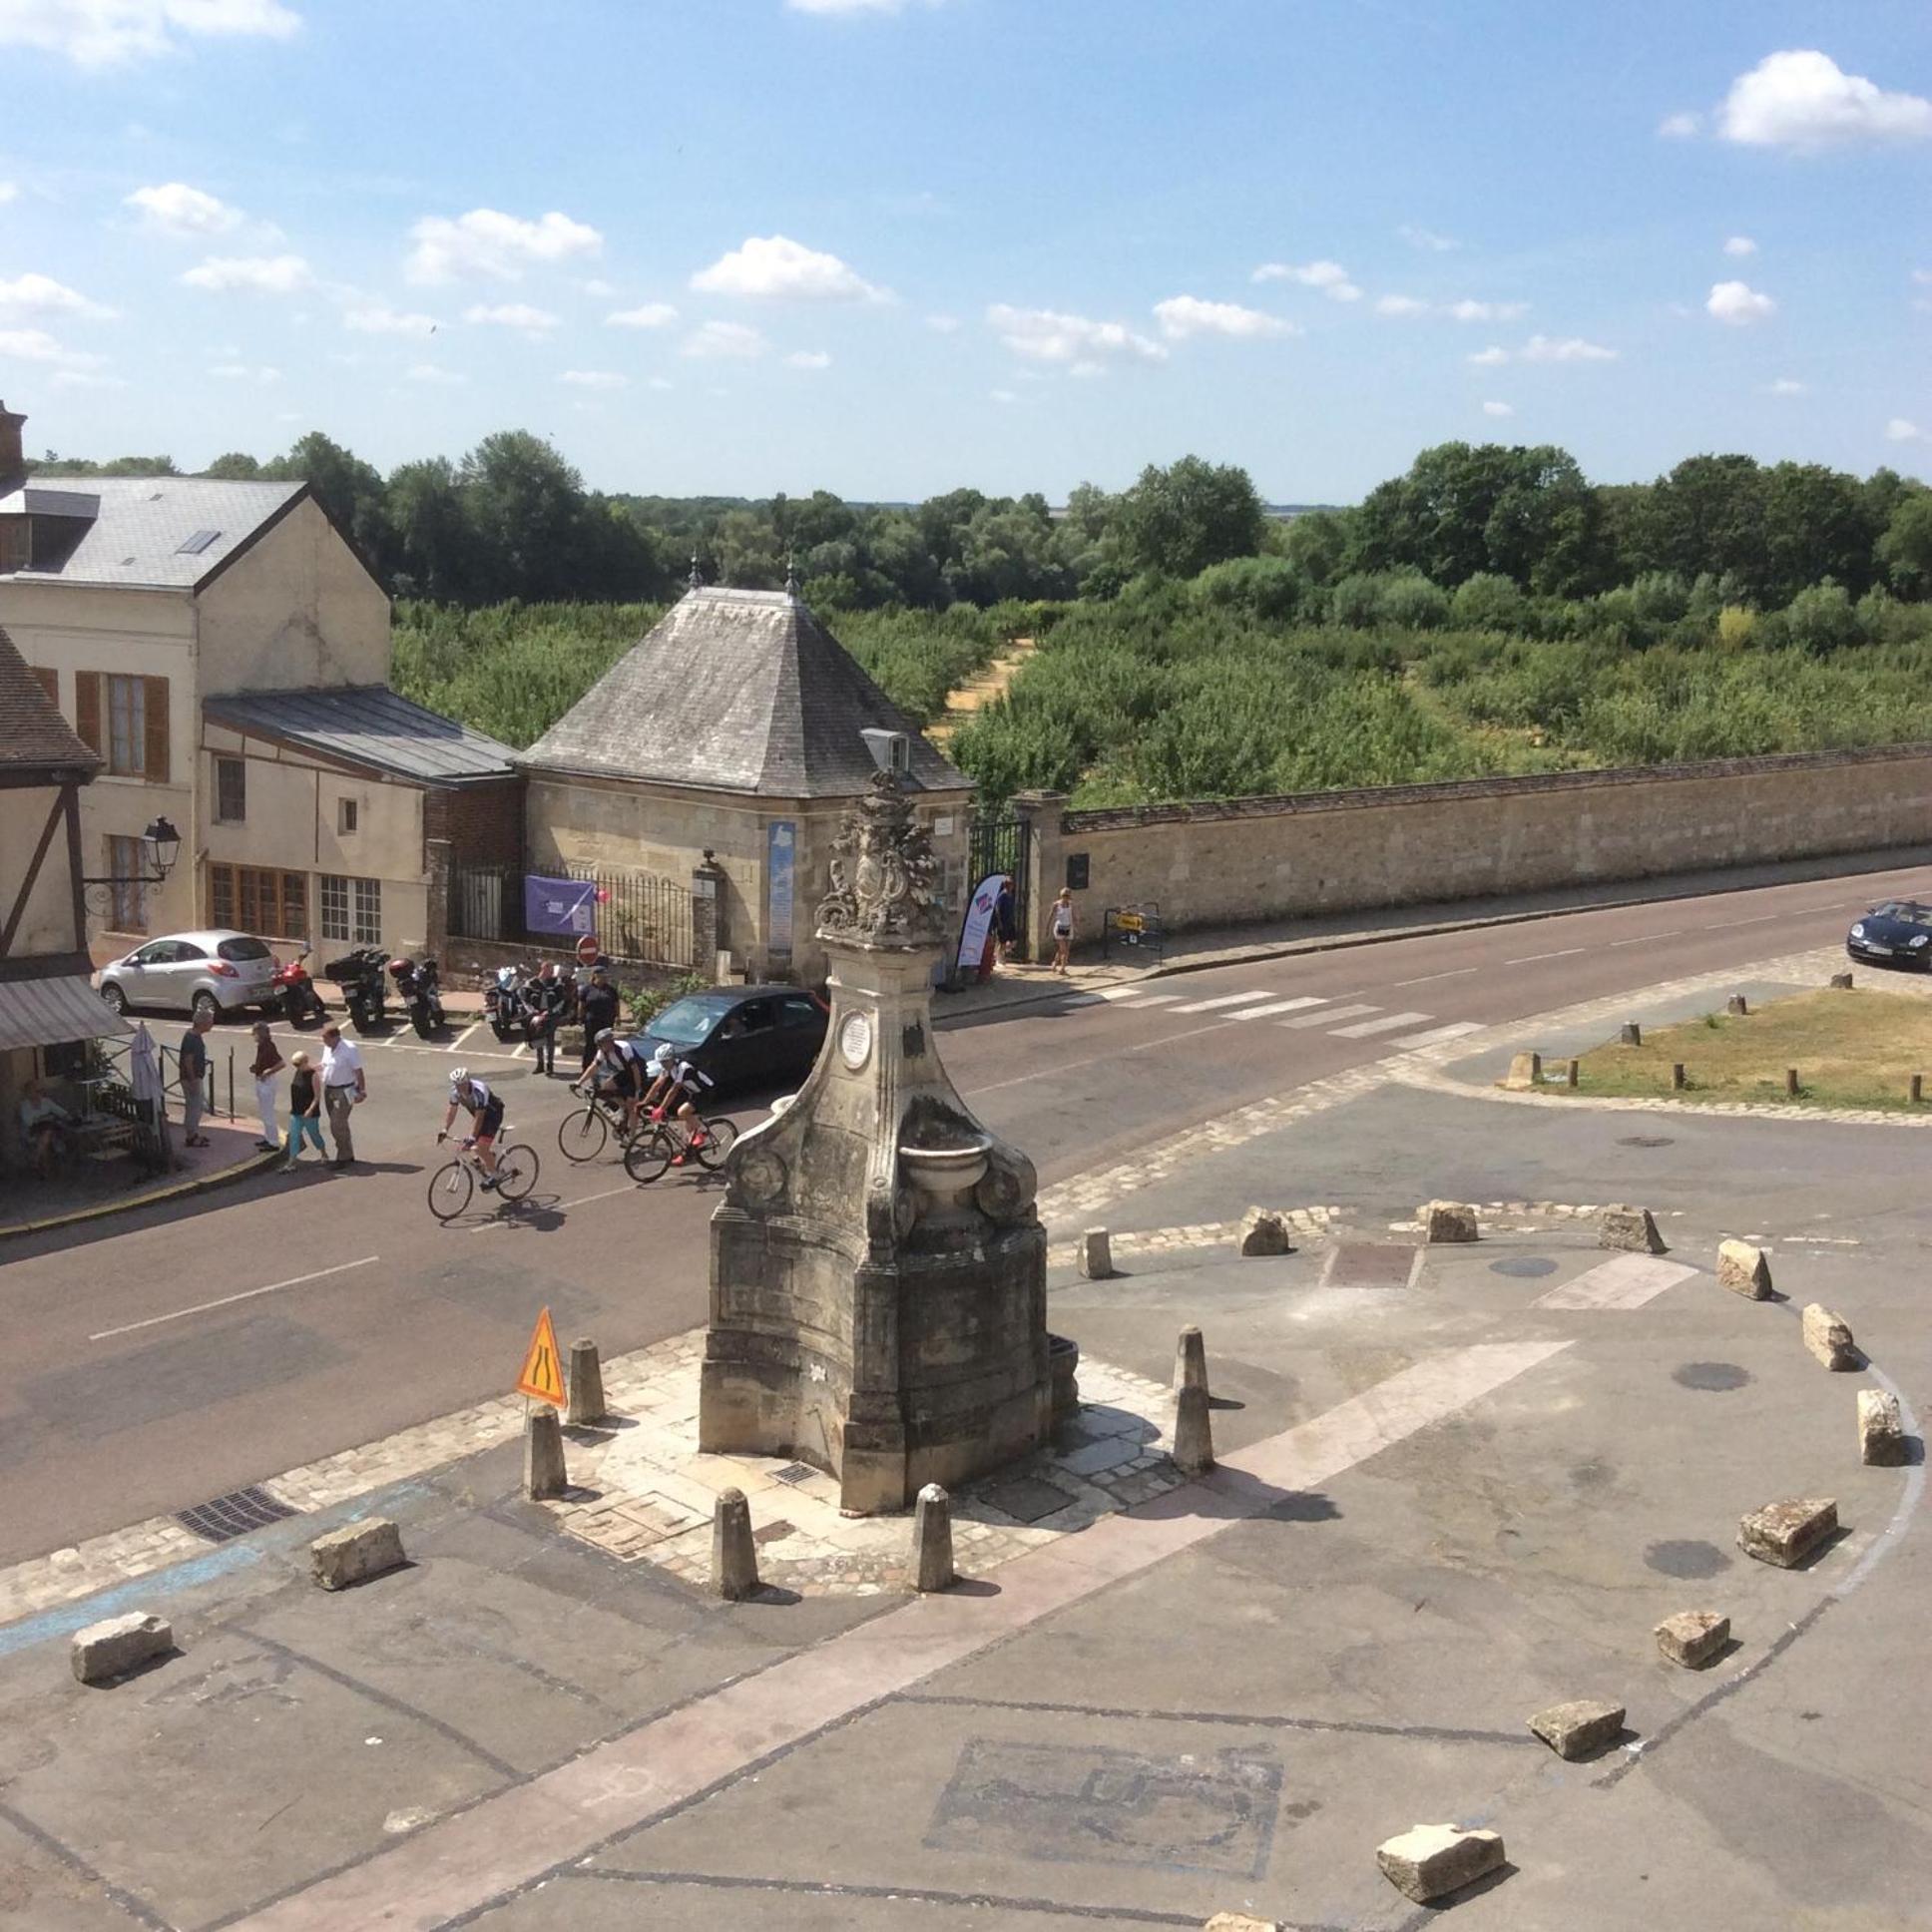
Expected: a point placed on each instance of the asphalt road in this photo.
(169, 1357)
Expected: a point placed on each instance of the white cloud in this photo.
(774, 267)
(1046, 336)
(595, 379)
(646, 315)
(1787, 386)
(1739, 303)
(662, 382)
(1544, 348)
(261, 274)
(379, 320)
(1180, 316)
(36, 345)
(1466, 311)
(181, 213)
(809, 359)
(598, 288)
(1681, 127)
(32, 294)
(1741, 244)
(8, 192)
(487, 242)
(1401, 305)
(241, 373)
(724, 342)
(435, 375)
(1081, 371)
(1900, 430)
(1427, 240)
(1329, 276)
(104, 33)
(943, 325)
(1492, 357)
(1803, 99)
(1923, 276)
(87, 379)
(519, 316)
(1499, 409)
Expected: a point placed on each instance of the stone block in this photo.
(544, 1473)
(1829, 1336)
(1633, 1034)
(1841, 982)
(1194, 1435)
(1190, 1360)
(1738, 1006)
(735, 1557)
(1096, 1255)
(1579, 1728)
(1263, 1234)
(355, 1552)
(932, 1540)
(1429, 1861)
(1631, 1230)
(585, 1384)
(1242, 1922)
(1745, 1269)
(1881, 1431)
(1692, 1638)
(1525, 1071)
(111, 1650)
(1448, 1220)
(1784, 1534)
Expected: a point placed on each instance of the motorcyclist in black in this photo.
(546, 999)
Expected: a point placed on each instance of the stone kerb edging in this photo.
(1311, 1224)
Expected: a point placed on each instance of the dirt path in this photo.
(991, 682)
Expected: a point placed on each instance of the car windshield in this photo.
(687, 1023)
(1904, 912)
(243, 949)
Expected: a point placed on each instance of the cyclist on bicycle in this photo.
(485, 1109)
(617, 1073)
(674, 1080)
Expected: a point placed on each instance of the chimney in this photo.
(13, 465)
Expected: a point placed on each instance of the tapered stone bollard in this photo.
(735, 1557)
(932, 1540)
(1525, 1071)
(586, 1383)
(1193, 1432)
(544, 1474)
(1190, 1360)
(1633, 1035)
(1096, 1255)
(1738, 1006)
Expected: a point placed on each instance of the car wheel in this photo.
(205, 1002)
(115, 998)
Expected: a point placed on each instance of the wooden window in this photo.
(345, 816)
(231, 791)
(125, 718)
(87, 710)
(259, 899)
(352, 910)
(128, 868)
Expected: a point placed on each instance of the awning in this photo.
(51, 1011)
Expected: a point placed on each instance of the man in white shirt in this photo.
(343, 1086)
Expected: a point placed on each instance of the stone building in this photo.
(724, 748)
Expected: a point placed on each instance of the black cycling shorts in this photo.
(490, 1125)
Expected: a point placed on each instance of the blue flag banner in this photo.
(559, 905)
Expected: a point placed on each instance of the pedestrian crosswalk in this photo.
(1340, 1018)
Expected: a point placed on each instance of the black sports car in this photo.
(742, 1036)
(1895, 932)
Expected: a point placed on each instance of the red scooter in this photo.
(296, 991)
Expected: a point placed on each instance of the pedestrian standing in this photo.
(1062, 922)
(266, 1066)
(344, 1086)
(193, 1079)
(547, 1000)
(1004, 918)
(600, 1010)
(304, 1111)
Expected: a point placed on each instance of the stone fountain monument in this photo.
(878, 1270)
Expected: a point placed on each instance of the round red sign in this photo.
(587, 949)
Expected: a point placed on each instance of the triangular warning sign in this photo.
(543, 1373)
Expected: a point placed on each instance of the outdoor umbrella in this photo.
(144, 1077)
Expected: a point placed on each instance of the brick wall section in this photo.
(483, 823)
(1227, 862)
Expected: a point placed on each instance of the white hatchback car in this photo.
(193, 972)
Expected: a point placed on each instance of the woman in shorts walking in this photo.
(1062, 926)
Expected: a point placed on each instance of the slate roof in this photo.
(367, 725)
(34, 736)
(736, 691)
(139, 524)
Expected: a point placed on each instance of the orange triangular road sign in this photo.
(543, 1372)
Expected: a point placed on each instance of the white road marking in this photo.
(1117, 992)
(1334, 1012)
(1276, 1006)
(1530, 959)
(1764, 918)
(1226, 999)
(1645, 938)
(1147, 999)
(1461, 972)
(464, 1035)
(1437, 1034)
(1627, 1282)
(226, 1301)
(1386, 1025)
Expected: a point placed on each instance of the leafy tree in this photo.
(237, 467)
(1488, 602)
(1905, 549)
(348, 488)
(1176, 521)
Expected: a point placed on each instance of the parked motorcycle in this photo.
(296, 991)
(503, 1004)
(417, 989)
(362, 975)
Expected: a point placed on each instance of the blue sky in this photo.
(890, 247)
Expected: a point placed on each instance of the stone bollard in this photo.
(1679, 1082)
(586, 1385)
(1190, 1360)
(1841, 982)
(1263, 1234)
(1784, 1534)
(1829, 1336)
(1915, 1093)
(1578, 1729)
(1096, 1255)
(1445, 1222)
(111, 1650)
(1193, 1432)
(1745, 1269)
(932, 1540)
(1429, 1861)
(1692, 1638)
(1632, 1229)
(1633, 1034)
(355, 1552)
(544, 1474)
(1524, 1073)
(735, 1557)
(1793, 1086)
(1881, 1430)
(1573, 1074)
(1738, 1006)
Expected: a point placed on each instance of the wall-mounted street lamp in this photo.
(159, 848)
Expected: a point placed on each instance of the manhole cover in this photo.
(1027, 1500)
(1686, 1560)
(792, 1472)
(1527, 1267)
(1369, 1264)
(1647, 1141)
(1711, 1375)
(228, 1517)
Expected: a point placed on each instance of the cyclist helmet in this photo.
(606, 1036)
(460, 1077)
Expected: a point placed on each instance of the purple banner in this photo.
(559, 905)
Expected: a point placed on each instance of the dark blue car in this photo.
(742, 1036)
(1895, 932)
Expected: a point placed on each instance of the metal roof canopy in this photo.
(367, 725)
(55, 1012)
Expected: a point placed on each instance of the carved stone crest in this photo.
(884, 875)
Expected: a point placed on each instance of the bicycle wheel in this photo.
(583, 1133)
(720, 1137)
(516, 1171)
(449, 1190)
(648, 1155)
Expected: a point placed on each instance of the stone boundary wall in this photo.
(1232, 861)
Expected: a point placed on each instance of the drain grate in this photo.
(1647, 1141)
(228, 1517)
(792, 1472)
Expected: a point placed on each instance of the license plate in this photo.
(1873, 946)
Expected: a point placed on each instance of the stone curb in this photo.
(127, 1204)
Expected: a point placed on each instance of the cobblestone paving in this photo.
(1311, 1224)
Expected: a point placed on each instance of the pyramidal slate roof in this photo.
(34, 736)
(736, 691)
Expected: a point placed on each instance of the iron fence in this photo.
(640, 916)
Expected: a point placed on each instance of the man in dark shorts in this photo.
(485, 1109)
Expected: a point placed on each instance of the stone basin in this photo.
(946, 1171)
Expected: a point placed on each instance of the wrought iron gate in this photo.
(998, 844)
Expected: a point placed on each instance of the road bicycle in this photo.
(453, 1183)
(586, 1130)
(659, 1143)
